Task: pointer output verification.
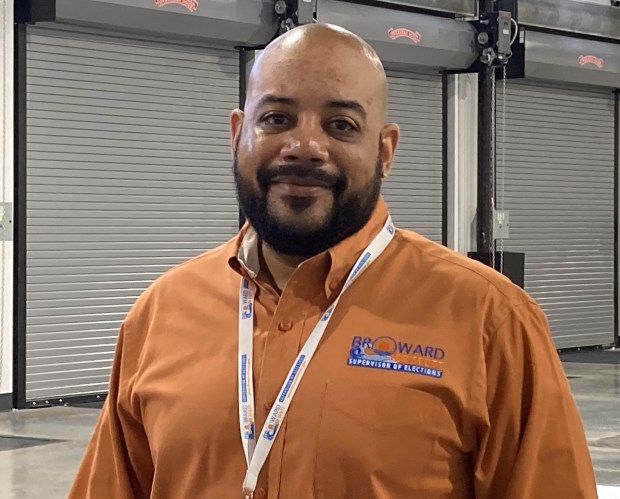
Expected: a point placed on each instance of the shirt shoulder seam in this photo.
(525, 298)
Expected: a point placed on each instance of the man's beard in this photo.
(350, 210)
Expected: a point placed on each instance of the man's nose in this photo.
(306, 143)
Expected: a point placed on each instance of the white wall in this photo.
(6, 194)
(462, 161)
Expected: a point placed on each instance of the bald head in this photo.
(324, 45)
(317, 37)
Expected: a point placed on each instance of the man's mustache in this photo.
(267, 175)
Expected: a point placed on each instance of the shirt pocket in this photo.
(375, 441)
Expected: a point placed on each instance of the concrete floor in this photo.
(47, 471)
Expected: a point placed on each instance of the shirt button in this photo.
(285, 326)
(260, 492)
(333, 285)
(268, 406)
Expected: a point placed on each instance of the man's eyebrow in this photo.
(352, 105)
(275, 99)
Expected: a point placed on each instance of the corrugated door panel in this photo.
(559, 190)
(413, 190)
(129, 173)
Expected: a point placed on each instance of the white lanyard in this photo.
(256, 452)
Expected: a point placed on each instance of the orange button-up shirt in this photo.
(436, 379)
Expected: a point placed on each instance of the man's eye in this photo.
(343, 126)
(275, 119)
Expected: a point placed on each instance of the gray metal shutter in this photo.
(128, 174)
(559, 190)
(413, 190)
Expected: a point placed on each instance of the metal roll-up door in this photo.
(128, 174)
(413, 190)
(558, 147)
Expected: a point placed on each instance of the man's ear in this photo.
(236, 124)
(389, 140)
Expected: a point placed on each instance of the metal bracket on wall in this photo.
(6, 221)
(500, 41)
(495, 38)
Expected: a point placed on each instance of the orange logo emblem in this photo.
(190, 5)
(591, 59)
(414, 36)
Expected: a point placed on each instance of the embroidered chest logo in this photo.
(387, 353)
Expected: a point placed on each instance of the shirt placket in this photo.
(286, 334)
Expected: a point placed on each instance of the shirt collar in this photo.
(342, 256)
(247, 256)
(346, 252)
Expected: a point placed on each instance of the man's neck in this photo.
(281, 267)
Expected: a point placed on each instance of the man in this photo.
(321, 353)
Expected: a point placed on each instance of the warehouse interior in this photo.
(116, 166)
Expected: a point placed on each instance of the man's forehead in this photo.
(317, 95)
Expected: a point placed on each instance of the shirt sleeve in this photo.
(532, 445)
(117, 463)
